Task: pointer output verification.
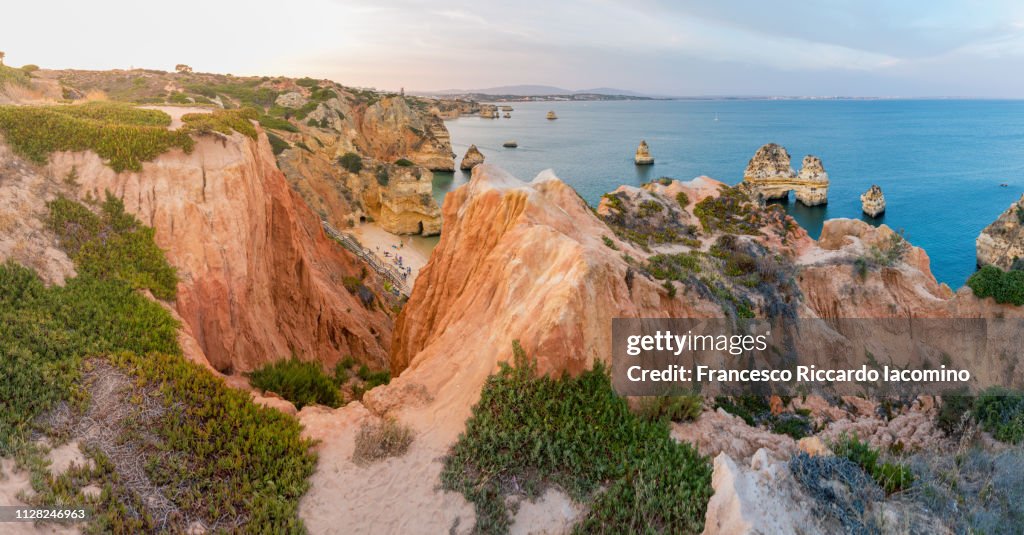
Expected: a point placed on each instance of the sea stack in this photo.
(872, 201)
(472, 158)
(770, 174)
(643, 154)
(552, 116)
(1001, 244)
(510, 144)
(488, 111)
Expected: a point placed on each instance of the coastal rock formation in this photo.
(643, 155)
(405, 205)
(391, 129)
(770, 174)
(399, 197)
(259, 279)
(872, 201)
(551, 115)
(1001, 244)
(488, 111)
(510, 144)
(292, 100)
(472, 158)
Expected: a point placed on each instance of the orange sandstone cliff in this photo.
(259, 279)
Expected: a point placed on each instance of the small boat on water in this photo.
(508, 115)
(716, 117)
(1004, 185)
(552, 116)
(510, 144)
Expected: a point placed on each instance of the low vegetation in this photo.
(112, 245)
(756, 411)
(222, 121)
(10, 75)
(529, 432)
(119, 138)
(302, 383)
(199, 449)
(121, 134)
(378, 441)
(732, 211)
(674, 408)
(1006, 287)
(891, 477)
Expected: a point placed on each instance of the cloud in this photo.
(870, 47)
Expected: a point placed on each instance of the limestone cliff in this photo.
(771, 175)
(1001, 244)
(259, 280)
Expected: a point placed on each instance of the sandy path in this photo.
(413, 250)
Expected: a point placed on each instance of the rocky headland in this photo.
(1001, 244)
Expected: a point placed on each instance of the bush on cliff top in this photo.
(529, 432)
(1005, 287)
(351, 162)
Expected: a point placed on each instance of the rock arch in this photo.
(770, 174)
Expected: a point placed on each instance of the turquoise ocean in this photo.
(940, 163)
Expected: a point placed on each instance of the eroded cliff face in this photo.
(259, 280)
(389, 131)
(525, 261)
(1002, 242)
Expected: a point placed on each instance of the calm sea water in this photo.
(940, 163)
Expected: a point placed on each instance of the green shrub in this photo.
(223, 121)
(351, 162)
(277, 123)
(120, 138)
(302, 383)
(575, 432)
(648, 208)
(1005, 287)
(892, 477)
(402, 162)
(383, 178)
(30, 68)
(731, 211)
(1001, 412)
(307, 82)
(683, 199)
(675, 408)
(277, 145)
(116, 112)
(609, 243)
(112, 245)
(677, 267)
(953, 410)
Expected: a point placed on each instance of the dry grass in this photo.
(378, 441)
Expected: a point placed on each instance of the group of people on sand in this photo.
(397, 260)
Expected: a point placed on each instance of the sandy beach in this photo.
(414, 251)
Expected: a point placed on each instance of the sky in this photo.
(904, 48)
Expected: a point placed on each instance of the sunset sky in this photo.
(743, 47)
